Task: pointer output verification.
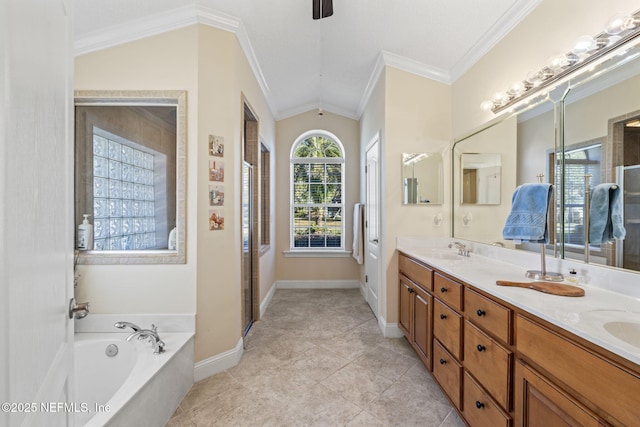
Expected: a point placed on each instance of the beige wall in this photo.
(551, 28)
(135, 66)
(211, 66)
(412, 114)
(417, 118)
(317, 268)
(224, 76)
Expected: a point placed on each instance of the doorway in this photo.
(372, 226)
(250, 255)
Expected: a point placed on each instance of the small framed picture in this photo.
(216, 170)
(216, 195)
(216, 219)
(216, 146)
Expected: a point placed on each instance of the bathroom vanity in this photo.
(517, 357)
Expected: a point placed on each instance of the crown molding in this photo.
(415, 67)
(172, 20)
(492, 36)
(378, 68)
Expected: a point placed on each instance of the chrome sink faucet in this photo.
(462, 249)
(141, 334)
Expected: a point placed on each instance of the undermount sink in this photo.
(623, 325)
(628, 332)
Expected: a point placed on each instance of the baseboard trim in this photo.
(218, 363)
(389, 330)
(267, 299)
(318, 284)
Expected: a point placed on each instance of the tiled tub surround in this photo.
(608, 292)
(151, 385)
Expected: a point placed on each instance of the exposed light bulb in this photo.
(557, 62)
(486, 105)
(618, 23)
(499, 98)
(583, 45)
(517, 89)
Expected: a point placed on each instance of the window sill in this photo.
(317, 254)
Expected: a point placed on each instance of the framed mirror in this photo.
(481, 176)
(130, 176)
(602, 148)
(422, 179)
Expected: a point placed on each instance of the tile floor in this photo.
(317, 358)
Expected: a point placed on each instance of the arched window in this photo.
(317, 192)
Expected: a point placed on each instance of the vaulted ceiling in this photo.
(302, 64)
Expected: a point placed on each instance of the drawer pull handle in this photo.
(479, 404)
(442, 361)
(480, 312)
(443, 316)
(443, 290)
(480, 347)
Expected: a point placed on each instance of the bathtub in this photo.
(132, 387)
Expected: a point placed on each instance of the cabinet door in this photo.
(422, 336)
(406, 307)
(541, 404)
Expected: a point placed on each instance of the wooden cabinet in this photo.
(421, 338)
(448, 372)
(479, 409)
(609, 388)
(447, 328)
(416, 308)
(503, 366)
(489, 362)
(540, 403)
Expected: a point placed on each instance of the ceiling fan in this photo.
(322, 8)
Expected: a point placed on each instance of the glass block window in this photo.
(123, 194)
(317, 183)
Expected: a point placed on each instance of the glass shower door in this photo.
(247, 253)
(631, 206)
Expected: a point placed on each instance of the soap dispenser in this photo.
(85, 234)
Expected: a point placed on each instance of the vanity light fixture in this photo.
(620, 29)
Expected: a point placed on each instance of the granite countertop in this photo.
(587, 317)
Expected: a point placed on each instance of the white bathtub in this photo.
(135, 387)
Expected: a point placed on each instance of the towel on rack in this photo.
(527, 220)
(358, 234)
(605, 214)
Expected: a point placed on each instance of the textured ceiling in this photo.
(328, 63)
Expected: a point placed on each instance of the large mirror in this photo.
(595, 120)
(602, 151)
(130, 176)
(422, 179)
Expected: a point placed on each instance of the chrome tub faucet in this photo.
(142, 334)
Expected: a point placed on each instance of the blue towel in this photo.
(527, 220)
(605, 214)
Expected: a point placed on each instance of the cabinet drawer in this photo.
(607, 386)
(448, 372)
(489, 315)
(419, 273)
(478, 408)
(447, 327)
(489, 363)
(447, 290)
